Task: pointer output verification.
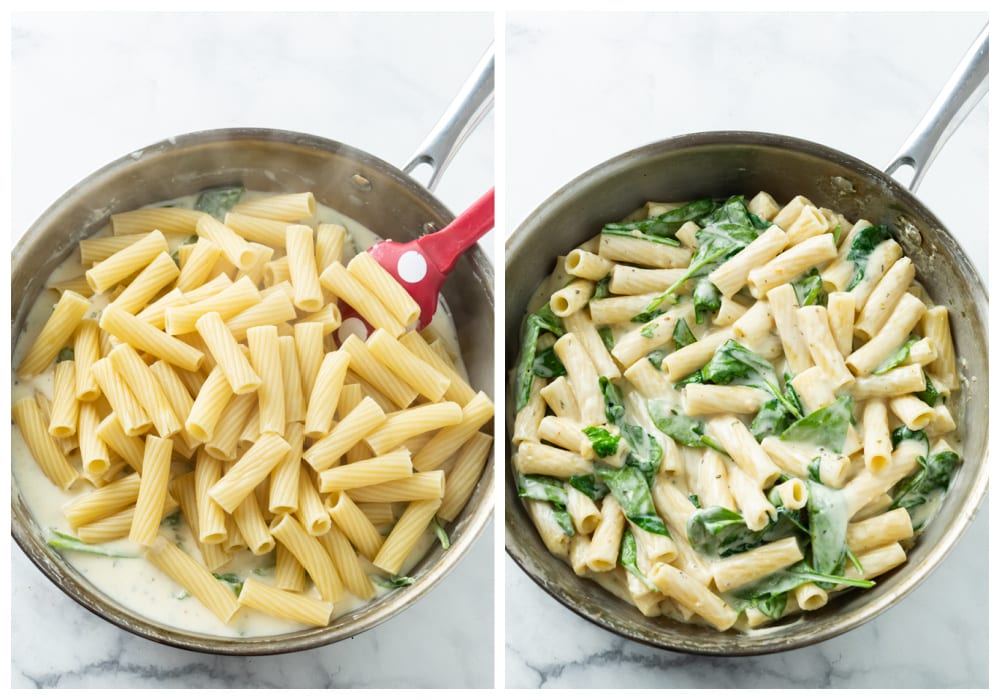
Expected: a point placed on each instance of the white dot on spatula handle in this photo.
(411, 266)
(352, 326)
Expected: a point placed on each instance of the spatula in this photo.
(421, 265)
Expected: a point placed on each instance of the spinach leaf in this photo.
(773, 606)
(680, 427)
(601, 289)
(645, 452)
(682, 335)
(812, 470)
(605, 444)
(439, 531)
(649, 315)
(65, 355)
(695, 377)
(809, 289)
(897, 358)
(726, 232)
(647, 330)
(930, 394)
(607, 337)
(547, 364)
(630, 489)
(547, 488)
(218, 201)
(720, 532)
(931, 479)
(758, 222)
(232, 581)
(614, 402)
(824, 427)
(667, 223)
(627, 557)
(733, 363)
(61, 540)
(827, 528)
(637, 233)
(543, 319)
(588, 484)
(767, 594)
(902, 434)
(392, 581)
(707, 299)
(656, 358)
(772, 419)
(861, 251)
(693, 497)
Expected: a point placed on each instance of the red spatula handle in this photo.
(444, 247)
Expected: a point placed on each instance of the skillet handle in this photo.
(966, 86)
(459, 120)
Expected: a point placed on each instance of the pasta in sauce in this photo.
(207, 449)
(727, 412)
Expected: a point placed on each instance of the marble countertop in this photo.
(89, 88)
(583, 88)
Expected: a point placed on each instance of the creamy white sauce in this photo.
(134, 582)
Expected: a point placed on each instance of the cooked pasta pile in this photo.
(206, 377)
(728, 411)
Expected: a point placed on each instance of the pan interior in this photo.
(721, 164)
(349, 180)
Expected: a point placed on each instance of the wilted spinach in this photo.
(534, 324)
(824, 427)
(864, 243)
(726, 232)
(627, 557)
(630, 489)
(550, 489)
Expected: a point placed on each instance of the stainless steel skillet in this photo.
(720, 164)
(382, 197)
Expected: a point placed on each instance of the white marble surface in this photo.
(87, 89)
(583, 88)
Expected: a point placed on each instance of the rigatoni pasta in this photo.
(771, 412)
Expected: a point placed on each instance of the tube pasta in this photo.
(194, 577)
(43, 447)
(228, 354)
(355, 426)
(403, 538)
(385, 288)
(348, 565)
(582, 378)
(160, 272)
(346, 287)
(143, 336)
(416, 373)
(248, 471)
(107, 273)
(378, 375)
(58, 329)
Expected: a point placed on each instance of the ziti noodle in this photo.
(193, 430)
(727, 411)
